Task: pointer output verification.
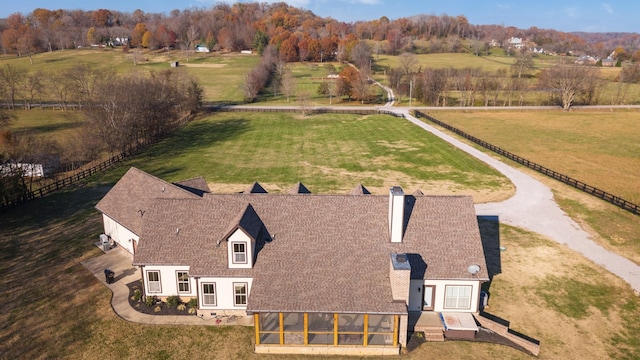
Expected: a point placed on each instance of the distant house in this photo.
(608, 62)
(326, 274)
(587, 60)
(202, 49)
(245, 52)
(516, 42)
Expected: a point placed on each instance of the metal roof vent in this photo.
(401, 258)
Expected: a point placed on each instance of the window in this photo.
(183, 281)
(457, 297)
(239, 253)
(209, 294)
(153, 281)
(240, 292)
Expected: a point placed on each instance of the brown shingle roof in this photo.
(127, 201)
(328, 253)
(196, 185)
(360, 190)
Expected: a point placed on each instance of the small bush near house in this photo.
(137, 295)
(149, 300)
(193, 303)
(173, 300)
(182, 307)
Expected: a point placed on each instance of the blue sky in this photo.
(582, 15)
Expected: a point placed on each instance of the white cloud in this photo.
(503, 6)
(608, 8)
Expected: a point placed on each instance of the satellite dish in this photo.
(473, 269)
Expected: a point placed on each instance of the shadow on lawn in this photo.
(196, 136)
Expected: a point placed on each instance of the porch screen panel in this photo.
(320, 329)
(293, 328)
(380, 330)
(269, 328)
(350, 329)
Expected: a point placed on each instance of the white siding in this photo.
(120, 234)
(239, 236)
(169, 281)
(224, 292)
(415, 295)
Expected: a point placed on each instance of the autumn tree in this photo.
(567, 81)
(136, 35)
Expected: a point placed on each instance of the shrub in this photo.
(157, 309)
(192, 311)
(193, 303)
(182, 307)
(137, 295)
(149, 300)
(173, 300)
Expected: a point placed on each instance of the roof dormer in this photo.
(241, 239)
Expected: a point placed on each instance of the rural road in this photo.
(533, 208)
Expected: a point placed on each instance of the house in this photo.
(516, 42)
(202, 49)
(587, 60)
(325, 274)
(608, 62)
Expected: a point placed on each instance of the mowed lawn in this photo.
(329, 153)
(54, 308)
(600, 148)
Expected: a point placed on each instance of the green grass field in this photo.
(329, 153)
(61, 126)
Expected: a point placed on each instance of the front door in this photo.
(429, 294)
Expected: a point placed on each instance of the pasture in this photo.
(599, 148)
(54, 308)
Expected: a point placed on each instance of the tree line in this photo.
(297, 34)
(120, 111)
(564, 84)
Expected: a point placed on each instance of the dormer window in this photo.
(239, 252)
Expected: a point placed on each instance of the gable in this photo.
(127, 201)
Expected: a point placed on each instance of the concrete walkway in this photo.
(119, 261)
(533, 208)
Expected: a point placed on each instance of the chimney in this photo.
(396, 214)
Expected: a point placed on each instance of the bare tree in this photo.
(408, 62)
(288, 84)
(523, 63)
(566, 82)
(361, 56)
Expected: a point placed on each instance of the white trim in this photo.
(179, 282)
(235, 294)
(215, 294)
(150, 282)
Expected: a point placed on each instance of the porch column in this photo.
(256, 322)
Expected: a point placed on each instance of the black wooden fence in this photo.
(613, 199)
(72, 179)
